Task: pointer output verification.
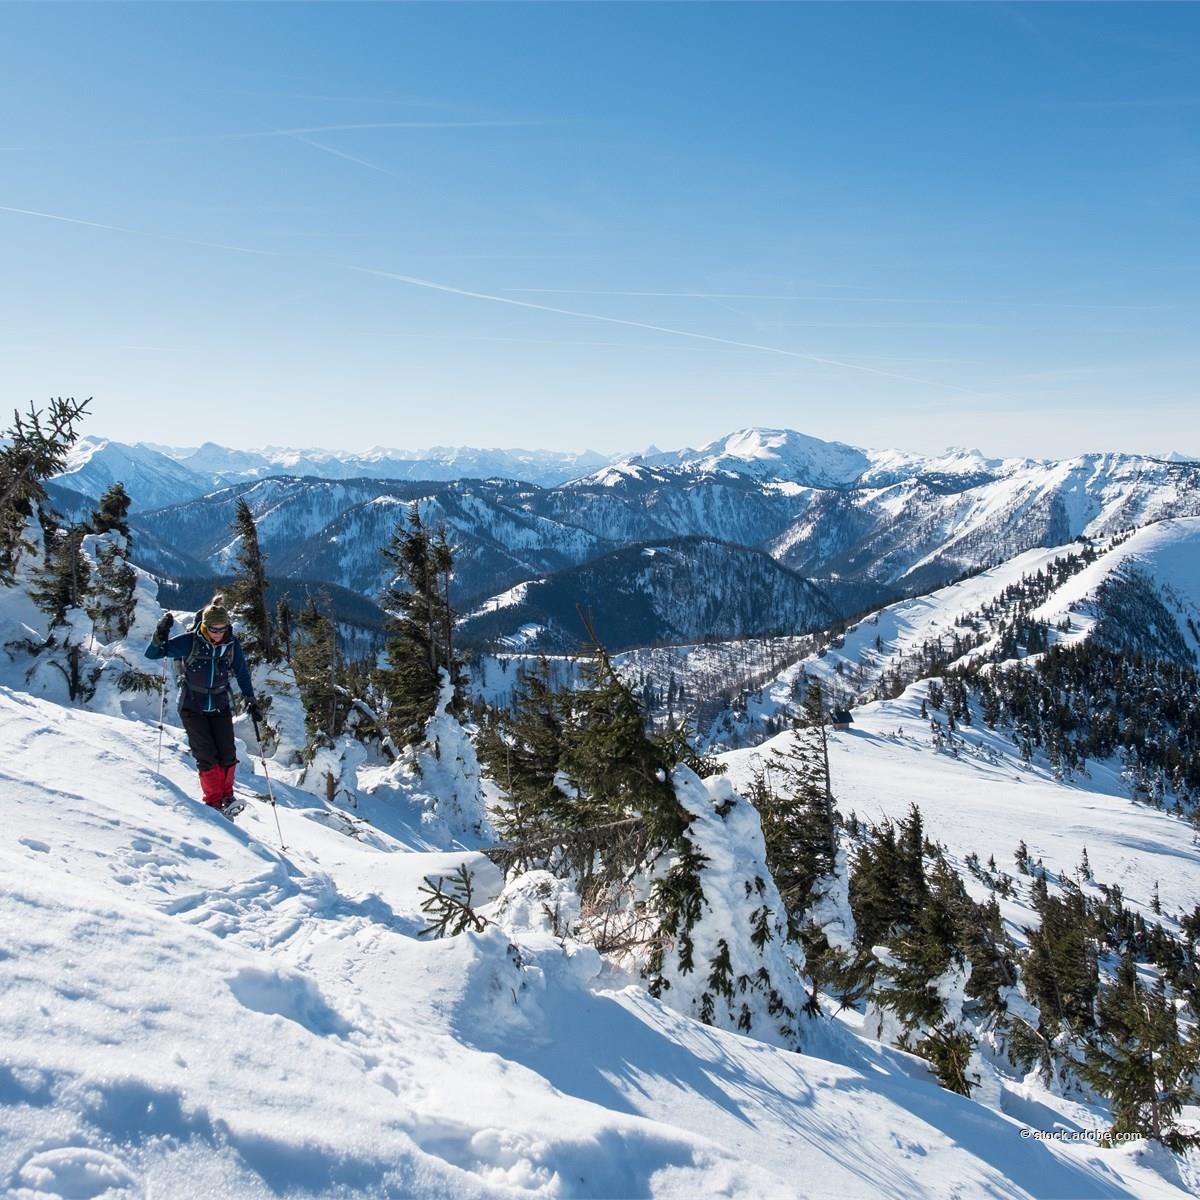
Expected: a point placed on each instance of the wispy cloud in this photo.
(302, 130)
(170, 237)
(356, 125)
(706, 295)
(319, 97)
(805, 356)
(362, 162)
(792, 298)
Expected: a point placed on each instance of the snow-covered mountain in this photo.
(865, 525)
(1137, 593)
(336, 530)
(547, 468)
(680, 590)
(151, 478)
(194, 1007)
(771, 454)
(156, 475)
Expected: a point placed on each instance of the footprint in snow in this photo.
(34, 844)
(77, 1173)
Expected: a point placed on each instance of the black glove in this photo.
(253, 710)
(163, 629)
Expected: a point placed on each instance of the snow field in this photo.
(187, 1011)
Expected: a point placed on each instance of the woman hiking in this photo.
(211, 654)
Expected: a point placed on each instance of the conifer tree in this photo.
(315, 664)
(112, 513)
(876, 898)
(61, 584)
(522, 748)
(283, 626)
(800, 829)
(420, 624)
(32, 449)
(1140, 1062)
(800, 822)
(111, 602)
(62, 581)
(590, 796)
(1061, 973)
(618, 772)
(247, 594)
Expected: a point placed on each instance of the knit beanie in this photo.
(214, 614)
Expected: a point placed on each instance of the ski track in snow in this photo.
(189, 1011)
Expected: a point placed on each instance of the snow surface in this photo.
(195, 1008)
(188, 1010)
(1167, 552)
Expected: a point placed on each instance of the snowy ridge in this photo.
(150, 471)
(194, 1007)
(778, 454)
(286, 1032)
(865, 525)
(1165, 556)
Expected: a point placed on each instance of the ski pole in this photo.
(262, 758)
(162, 708)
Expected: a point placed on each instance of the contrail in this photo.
(528, 304)
(832, 299)
(362, 162)
(358, 125)
(170, 237)
(687, 333)
(718, 295)
(188, 139)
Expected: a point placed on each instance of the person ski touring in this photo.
(211, 654)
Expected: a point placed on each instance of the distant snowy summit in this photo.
(777, 454)
(156, 475)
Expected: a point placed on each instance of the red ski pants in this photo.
(210, 737)
(216, 784)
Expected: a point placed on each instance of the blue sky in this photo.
(605, 226)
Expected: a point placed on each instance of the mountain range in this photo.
(859, 527)
(156, 475)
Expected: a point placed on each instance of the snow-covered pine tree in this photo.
(112, 512)
(421, 627)
(1061, 971)
(926, 973)
(283, 626)
(111, 603)
(1141, 1062)
(800, 826)
(617, 774)
(522, 747)
(246, 596)
(32, 449)
(315, 662)
(61, 590)
(670, 868)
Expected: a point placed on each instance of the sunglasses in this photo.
(217, 628)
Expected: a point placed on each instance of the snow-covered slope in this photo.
(866, 524)
(545, 468)
(777, 454)
(151, 478)
(1159, 568)
(676, 591)
(1142, 592)
(189, 1010)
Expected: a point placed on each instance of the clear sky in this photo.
(605, 226)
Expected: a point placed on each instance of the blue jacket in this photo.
(206, 670)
